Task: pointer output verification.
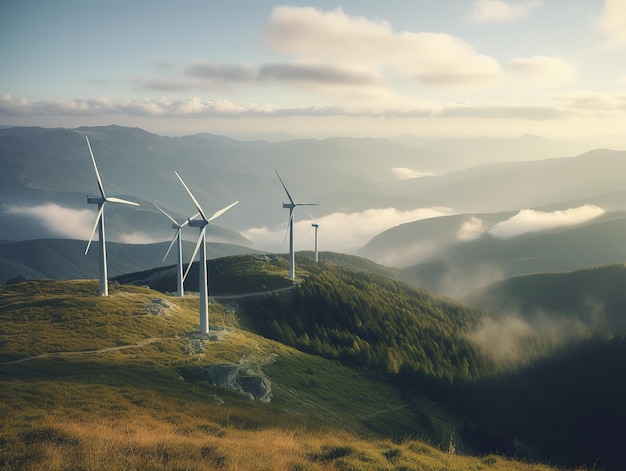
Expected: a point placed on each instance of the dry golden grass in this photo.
(144, 442)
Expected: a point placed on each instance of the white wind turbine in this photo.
(101, 201)
(203, 286)
(317, 227)
(178, 239)
(291, 205)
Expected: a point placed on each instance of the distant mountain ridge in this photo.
(45, 176)
(39, 166)
(433, 256)
(65, 259)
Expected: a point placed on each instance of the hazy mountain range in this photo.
(65, 259)
(447, 208)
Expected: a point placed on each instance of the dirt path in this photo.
(141, 343)
(232, 297)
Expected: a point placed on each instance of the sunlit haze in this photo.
(317, 69)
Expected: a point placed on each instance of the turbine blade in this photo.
(283, 184)
(195, 252)
(119, 200)
(171, 244)
(307, 204)
(288, 226)
(100, 187)
(93, 232)
(312, 218)
(195, 201)
(217, 214)
(165, 214)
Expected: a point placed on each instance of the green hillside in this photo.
(365, 319)
(118, 383)
(366, 372)
(595, 296)
(511, 384)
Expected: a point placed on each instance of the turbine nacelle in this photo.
(96, 200)
(197, 223)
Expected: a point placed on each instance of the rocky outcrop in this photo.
(228, 375)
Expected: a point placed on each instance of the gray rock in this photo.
(223, 375)
(258, 387)
(227, 375)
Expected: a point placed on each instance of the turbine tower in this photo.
(101, 201)
(178, 239)
(203, 286)
(291, 205)
(317, 227)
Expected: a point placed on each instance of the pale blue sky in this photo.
(363, 67)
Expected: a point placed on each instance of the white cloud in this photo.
(65, 222)
(498, 11)
(362, 104)
(138, 238)
(612, 23)
(591, 104)
(544, 68)
(334, 37)
(528, 220)
(471, 229)
(402, 173)
(73, 223)
(505, 340)
(339, 232)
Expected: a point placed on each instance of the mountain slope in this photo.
(64, 259)
(519, 185)
(113, 383)
(410, 346)
(594, 296)
(455, 267)
(495, 372)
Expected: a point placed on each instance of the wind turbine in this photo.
(101, 201)
(317, 227)
(179, 242)
(203, 286)
(291, 205)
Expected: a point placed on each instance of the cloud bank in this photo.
(514, 340)
(402, 173)
(338, 232)
(73, 223)
(528, 220)
(561, 106)
(334, 37)
(471, 229)
(64, 222)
